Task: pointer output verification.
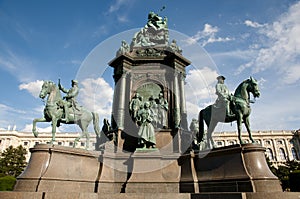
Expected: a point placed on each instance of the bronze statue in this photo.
(146, 132)
(107, 134)
(154, 109)
(135, 105)
(70, 98)
(54, 111)
(194, 127)
(174, 47)
(163, 107)
(224, 96)
(240, 107)
(155, 32)
(124, 48)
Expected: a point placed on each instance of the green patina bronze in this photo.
(155, 32)
(58, 110)
(146, 131)
(229, 108)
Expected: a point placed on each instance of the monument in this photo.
(150, 153)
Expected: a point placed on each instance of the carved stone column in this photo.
(184, 123)
(119, 102)
(177, 119)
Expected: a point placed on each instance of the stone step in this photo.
(70, 195)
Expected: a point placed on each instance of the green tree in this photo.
(7, 183)
(13, 161)
(284, 171)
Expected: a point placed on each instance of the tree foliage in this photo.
(13, 161)
(7, 183)
(284, 171)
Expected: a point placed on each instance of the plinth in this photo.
(145, 171)
(228, 169)
(53, 168)
(227, 172)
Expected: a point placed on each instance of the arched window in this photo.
(294, 153)
(231, 142)
(219, 143)
(269, 154)
(268, 142)
(279, 142)
(282, 154)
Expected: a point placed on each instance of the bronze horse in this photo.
(53, 112)
(240, 106)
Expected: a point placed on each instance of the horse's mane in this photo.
(50, 82)
(239, 88)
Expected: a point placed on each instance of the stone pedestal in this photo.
(228, 172)
(145, 171)
(229, 169)
(63, 169)
(60, 169)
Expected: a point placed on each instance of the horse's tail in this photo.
(96, 123)
(201, 126)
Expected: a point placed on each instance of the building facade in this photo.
(281, 146)
(27, 140)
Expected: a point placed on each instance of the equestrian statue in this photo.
(65, 110)
(228, 108)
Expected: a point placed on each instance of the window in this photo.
(294, 153)
(268, 142)
(25, 143)
(82, 143)
(70, 143)
(282, 154)
(59, 143)
(279, 142)
(220, 143)
(269, 154)
(36, 143)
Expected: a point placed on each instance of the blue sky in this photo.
(48, 40)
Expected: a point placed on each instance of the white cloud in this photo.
(199, 90)
(19, 66)
(292, 75)
(97, 95)
(253, 24)
(203, 79)
(5, 108)
(116, 6)
(282, 47)
(101, 30)
(206, 36)
(123, 18)
(121, 9)
(33, 88)
(9, 115)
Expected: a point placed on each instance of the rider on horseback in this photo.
(224, 96)
(70, 98)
